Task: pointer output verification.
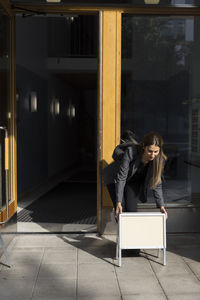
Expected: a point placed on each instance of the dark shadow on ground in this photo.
(183, 245)
(186, 245)
(97, 246)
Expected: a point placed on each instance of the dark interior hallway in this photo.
(57, 119)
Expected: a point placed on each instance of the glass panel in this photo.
(69, 27)
(4, 93)
(161, 92)
(56, 77)
(115, 3)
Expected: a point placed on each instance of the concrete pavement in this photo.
(83, 267)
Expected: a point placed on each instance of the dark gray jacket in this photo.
(121, 171)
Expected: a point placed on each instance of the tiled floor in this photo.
(46, 266)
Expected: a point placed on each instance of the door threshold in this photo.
(31, 227)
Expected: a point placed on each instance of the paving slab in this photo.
(145, 285)
(170, 256)
(145, 297)
(99, 298)
(27, 249)
(87, 241)
(180, 284)
(97, 271)
(58, 256)
(93, 257)
(186, 296)
(17, 297)
(21, 271)
(58, 242)
(59, 287)
(178, 268)
(137, 274)
(89, 287)
(195, 267)
(135, 267)
(24, 257)
(52, 298)
(99, 251)
(10, 288)
(30, 241)
(52, 271)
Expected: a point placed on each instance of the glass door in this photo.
(56, 76)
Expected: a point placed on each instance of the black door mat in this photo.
(68, 202)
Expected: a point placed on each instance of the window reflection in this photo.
(160, 91)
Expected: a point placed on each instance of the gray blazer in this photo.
(121, 171)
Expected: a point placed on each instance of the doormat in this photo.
(68, 202)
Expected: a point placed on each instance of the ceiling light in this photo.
(53, 1)
(151, 1)
(33, 102)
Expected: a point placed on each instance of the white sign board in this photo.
(142, 230)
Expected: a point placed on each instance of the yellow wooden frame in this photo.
(149, 10)
(7, 6)
(111, 90)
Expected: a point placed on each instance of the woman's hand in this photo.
(163, 210)
(118, 211)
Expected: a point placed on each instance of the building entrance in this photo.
(56, 79)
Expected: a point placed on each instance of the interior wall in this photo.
(31, 75)
(46, 142)
(88, 123)
(62, 129)
(31, 131)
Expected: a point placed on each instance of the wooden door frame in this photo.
(139, 10)
(7, 7)
(55, 11)
(109, 74)
(12, 138)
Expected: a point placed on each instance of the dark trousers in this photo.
(131, 196)
(129, 204)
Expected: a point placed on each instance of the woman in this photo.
(136, 169)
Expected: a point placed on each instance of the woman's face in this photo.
(150, 152)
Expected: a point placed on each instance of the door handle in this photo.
(6, 147)
(6, 167)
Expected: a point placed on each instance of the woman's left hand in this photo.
(163, 210)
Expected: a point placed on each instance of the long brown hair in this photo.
(154, 138)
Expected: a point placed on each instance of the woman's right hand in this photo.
(118, 210)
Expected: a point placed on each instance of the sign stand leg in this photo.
(164, 258)
(158, 252)
(4, 250)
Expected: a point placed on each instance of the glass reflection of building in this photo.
(160, 92)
